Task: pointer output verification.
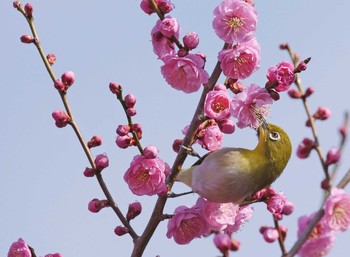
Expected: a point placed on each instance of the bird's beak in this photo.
(262, 128)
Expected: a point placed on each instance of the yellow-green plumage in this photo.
(233, 174)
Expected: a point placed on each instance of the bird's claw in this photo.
(190, 151)
(173, 195)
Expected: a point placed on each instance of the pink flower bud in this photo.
(101, 162)
(115, 88)
(53, 255)
(19, 249)
(59, 85)
(131, 111)
(176, 145)
(284, 46)
(227, 126)
(51, 58)
(165, 6)
(61, 118)
(27, 39)
(333, 156)
(123, 130)
(120, 231)
(89, 172)
(322, 113)
(276, 203)
(150, 152)
(270, 234)
(309, 91)
(236, 87)
(222, 242)
(191, 40)
(95, 205)
(294, 93)
(182, 52)
(28, 8)
(134, 210)
(305, 148)
(16, 4)
(325, 184)
(288, 208)
(283, 231)
(123, 141)
(68, 78)
(301, 67)
(343, 130)
(235, 245)
(278, 216)
(95, 141)
(130, 100)
(137, 128)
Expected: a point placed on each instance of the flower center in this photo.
(219, 106)
(235, 22)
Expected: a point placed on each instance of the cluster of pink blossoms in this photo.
(21, 249)
(204, 218)
(336, 219)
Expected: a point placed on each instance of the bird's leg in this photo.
(190, 151)
(173, 195)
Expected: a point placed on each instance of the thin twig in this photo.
(280, 236)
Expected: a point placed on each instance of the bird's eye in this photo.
(275, 136)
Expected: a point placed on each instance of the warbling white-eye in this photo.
(234, 174)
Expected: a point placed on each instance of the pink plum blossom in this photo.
(162, 45)
(169, 26)
(19, 249)
(222, 241)
(275, 204)
(235, 21)
(240, 61)
(250, 106)
(61, 118)
(147, 176)
(101, 162)
(244, 214)
(320, 241)
(337, 210)
(322, 113)
(191, 40)
(134, 210)
(184, 73)
(186, 224)
(227, 126)
(217, 104)
(305, 148)
(150, 152)
(270, 234)
(283, 75)
(210, 137)
(130, 100)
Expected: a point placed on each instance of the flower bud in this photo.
(227, 126)
(89, 172)
(150, 152)
(137, 128)
(130, 100)
(17, 4)
(288, 208)
(123, 141)
(325, 184)
(68, 78)
(27, 39)
(131, 112)
(95, 205)
(133, 211)
(283, 231)
(236, 87)
(51, 58)
(120, 230)
(284, 46)
(305, 147)
(222, 242)
(176, 145)
(301, 67)
(270, 234)
(294, 93)
(235, 244)
(123, 130)
(343, 130)
(191, 40)
(61, 118)
(95, 141)
(53, 255)
(59, 85)
(165, 6)
(182, 52)
(115, 88)
(101, 162)
(28, 8)
(333, 156)
(322, 113)
(309, 91)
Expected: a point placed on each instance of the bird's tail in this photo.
(185, 176)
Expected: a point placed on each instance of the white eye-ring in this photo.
(275, 136)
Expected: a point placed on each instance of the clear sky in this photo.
(44, 195)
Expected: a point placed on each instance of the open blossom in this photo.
(283, 75)
(244, 214)
(186, 224)
(217, 104)
(147, 176)
(320, 241)
(240, 61)
(234, 21)
(218, 215)
(184, 73)
(210, 137)
(19, 249)
(250, 106)
(337, 210)
(162, 45)
(276, 203)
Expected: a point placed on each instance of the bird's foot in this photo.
(174, 195)
(191, 151)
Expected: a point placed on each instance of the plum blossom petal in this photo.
(217, 104)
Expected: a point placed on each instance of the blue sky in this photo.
(44, 195)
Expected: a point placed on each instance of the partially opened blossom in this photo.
(337, 210)
(217, 104)
(162, 45)
(191, 40)
(61, 118)
(275, 204)
(186, 224)
(240, 61)
(184, 73)
(305, 148)
(270, 234)
(19, 249)
(250, 106)
(169, 26)
(210, 137)
(147, 176)
(235, 21)
(282, 75)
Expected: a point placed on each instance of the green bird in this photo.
(234, 174)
